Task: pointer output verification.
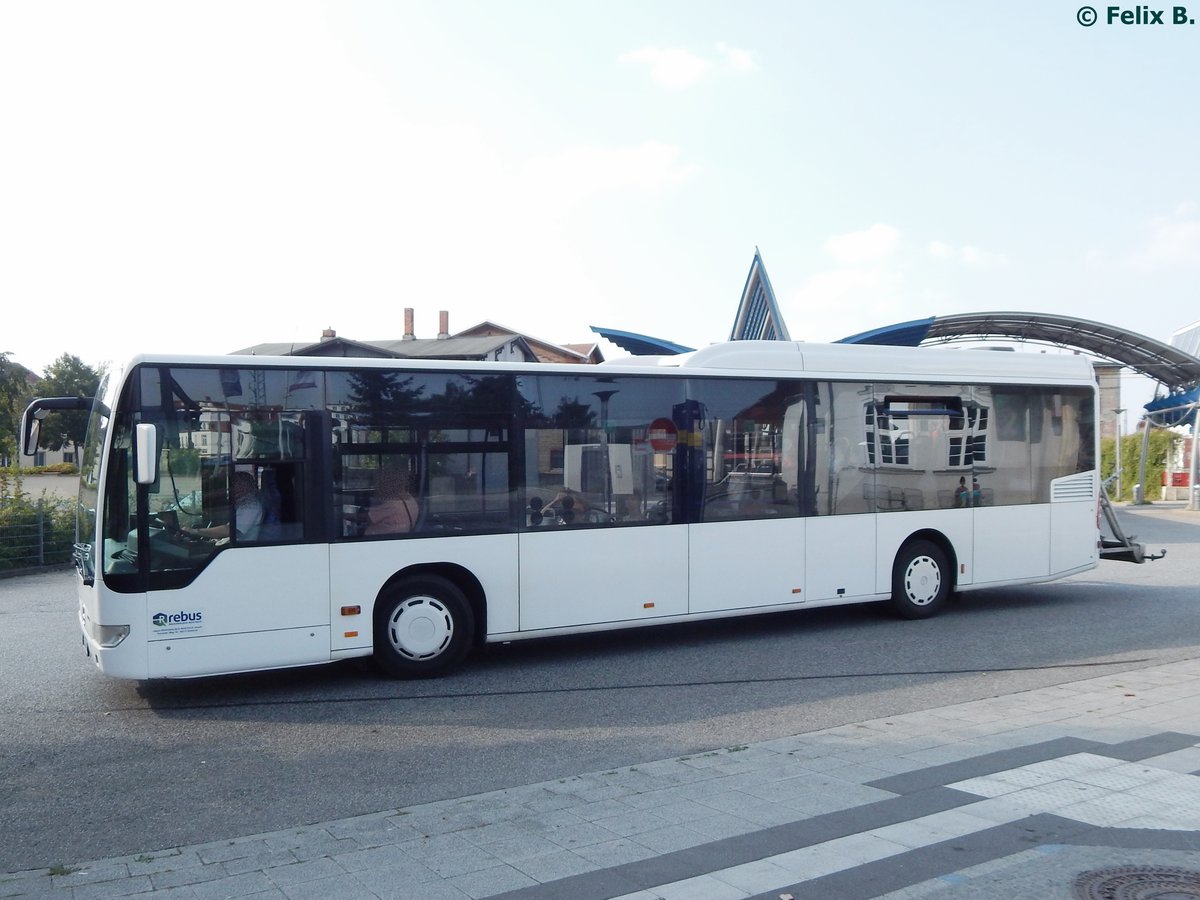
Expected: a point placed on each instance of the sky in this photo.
(202, 177)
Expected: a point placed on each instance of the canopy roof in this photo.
(641, 344)
(1174, 368)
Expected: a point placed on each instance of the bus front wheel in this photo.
(920, 580)
(423, 627)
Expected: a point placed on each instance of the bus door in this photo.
(747, 537)
(602, 539)
(841, 535)
(1029, 436)
(226, 534)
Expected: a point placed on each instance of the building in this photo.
(1108, 378)
(485, 341)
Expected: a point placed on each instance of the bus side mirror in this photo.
(145, 453)
(31, 419)
(31, 430)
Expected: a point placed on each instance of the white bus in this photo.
(537, 500)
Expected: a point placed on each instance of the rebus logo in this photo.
(178, 618)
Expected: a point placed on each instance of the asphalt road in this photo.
(92, 767)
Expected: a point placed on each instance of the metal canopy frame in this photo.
(1170, 366)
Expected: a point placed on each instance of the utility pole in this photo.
(1141, 500)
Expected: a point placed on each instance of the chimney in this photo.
(443, 325)
(328, 335)
(408, 325)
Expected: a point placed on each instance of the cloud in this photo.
(669, 67)
(676, 69)
(877, 242)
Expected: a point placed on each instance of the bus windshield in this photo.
(231, 449)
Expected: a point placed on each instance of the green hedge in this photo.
(1157, 454)
(33, 531)
(56, 469)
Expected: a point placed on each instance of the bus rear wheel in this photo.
(423, 627)
(920, 580)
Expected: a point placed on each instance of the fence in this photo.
(34, 533)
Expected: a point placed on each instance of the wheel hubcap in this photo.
(922, 581)
(420, 628)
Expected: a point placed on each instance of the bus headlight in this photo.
(109, 635)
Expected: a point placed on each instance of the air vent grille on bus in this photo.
(1073, 487)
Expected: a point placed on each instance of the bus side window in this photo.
(599, 450)
(752, 448)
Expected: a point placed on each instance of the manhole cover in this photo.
(1138, 883)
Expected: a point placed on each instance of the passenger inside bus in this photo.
(393, 508)
(570, 507)
(248, 511)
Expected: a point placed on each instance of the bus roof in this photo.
(868, 360)
(738, 358)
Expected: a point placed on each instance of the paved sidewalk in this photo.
(1084, 789)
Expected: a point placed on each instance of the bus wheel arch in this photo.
(923, 575)
(426, 619)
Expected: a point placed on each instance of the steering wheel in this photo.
(171, 527)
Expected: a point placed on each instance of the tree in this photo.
(1158, 451)
(14, 392)
(67, 376)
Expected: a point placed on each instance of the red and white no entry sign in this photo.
(663, 435)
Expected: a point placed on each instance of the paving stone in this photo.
(520, 847)
(334, 887)
(554, 866)
(405, 879)
(232, 886)
(616, 853)
(487, 882)
(122, 887)
(312, 870)
(192, 875)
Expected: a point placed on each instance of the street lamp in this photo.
(605, 396)
(1118, 413)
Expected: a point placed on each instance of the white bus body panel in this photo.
(746, 564)
(593, 575)
(841, 555)
(359, 569)
(275, 649)
(1012, 542)
(1067, 522)
(251, 608)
